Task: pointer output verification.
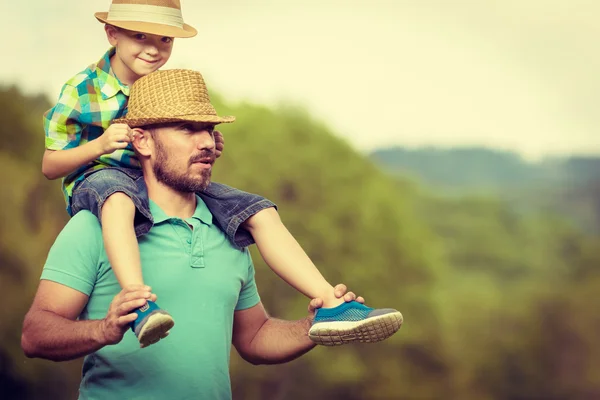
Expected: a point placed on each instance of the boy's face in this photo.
(137, 54)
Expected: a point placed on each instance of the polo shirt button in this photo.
(189, 241)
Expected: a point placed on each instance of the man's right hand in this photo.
(116, 136)
(120, 315)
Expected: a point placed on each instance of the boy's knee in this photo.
(118, 200)
(264, 216)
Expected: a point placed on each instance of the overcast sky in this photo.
(511, 74)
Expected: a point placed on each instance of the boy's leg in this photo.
(248, 218)
(119, 199)
(284, 255)
(120, 242)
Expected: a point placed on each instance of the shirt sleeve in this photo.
(74, 258)
(62, 122)
(248, 294)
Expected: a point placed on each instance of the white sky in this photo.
(513, 74)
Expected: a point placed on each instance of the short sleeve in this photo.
(74, 258)
(248, 294)
(61, 122)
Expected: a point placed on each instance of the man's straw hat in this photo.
(157, 17)
(170, 96)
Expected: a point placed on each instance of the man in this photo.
(208, 283)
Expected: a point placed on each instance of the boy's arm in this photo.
(64, 151)
(51, 329)
(60, 163)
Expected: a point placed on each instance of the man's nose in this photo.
(206, 141)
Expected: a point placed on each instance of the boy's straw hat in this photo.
(157, 17)
(170, 96)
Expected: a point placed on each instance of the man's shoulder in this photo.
(84, 223)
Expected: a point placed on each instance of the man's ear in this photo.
(111, 34)
(142, 141)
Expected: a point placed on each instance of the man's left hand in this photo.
(219, 143)
(341, 291)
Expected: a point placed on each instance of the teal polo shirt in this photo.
(199, 277)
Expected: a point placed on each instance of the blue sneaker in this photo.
(152, 324)
(353, 322)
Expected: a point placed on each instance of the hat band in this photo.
(145, 13)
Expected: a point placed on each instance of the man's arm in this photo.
(51, 329)
(261, 339)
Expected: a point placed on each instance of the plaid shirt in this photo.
(86, 106)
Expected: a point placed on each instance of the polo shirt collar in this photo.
(109, 83)
(202, 213)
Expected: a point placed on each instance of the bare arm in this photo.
(60, 163)
(260, 339)
(51, 329)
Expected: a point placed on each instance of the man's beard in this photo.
(180, 182)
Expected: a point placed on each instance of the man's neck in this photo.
(172, 202)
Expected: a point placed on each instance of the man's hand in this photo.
(116, 136)
(219, 143)
(120, 315)
(341, 291)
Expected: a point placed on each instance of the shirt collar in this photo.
(109, 83)
(202, 213)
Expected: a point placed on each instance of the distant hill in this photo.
(566, 185)
(478, 167)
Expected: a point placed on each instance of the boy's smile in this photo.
(137, 54)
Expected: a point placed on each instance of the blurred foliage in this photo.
(498, 304)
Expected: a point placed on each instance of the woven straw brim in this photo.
(146, 121)
(149, 27)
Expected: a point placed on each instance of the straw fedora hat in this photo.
(157, 17)
(170, 96)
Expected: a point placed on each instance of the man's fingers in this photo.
(133, 292)
(349, 296)
(133, 288)
(127, 307)
(125, 320)
(360, 299)
(314, 304)
(138, 294)
(339, 290)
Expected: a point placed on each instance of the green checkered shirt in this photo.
(86, 106)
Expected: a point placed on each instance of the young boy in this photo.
(100, 174)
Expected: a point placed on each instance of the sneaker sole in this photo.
(370, 330)
(156, 328)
